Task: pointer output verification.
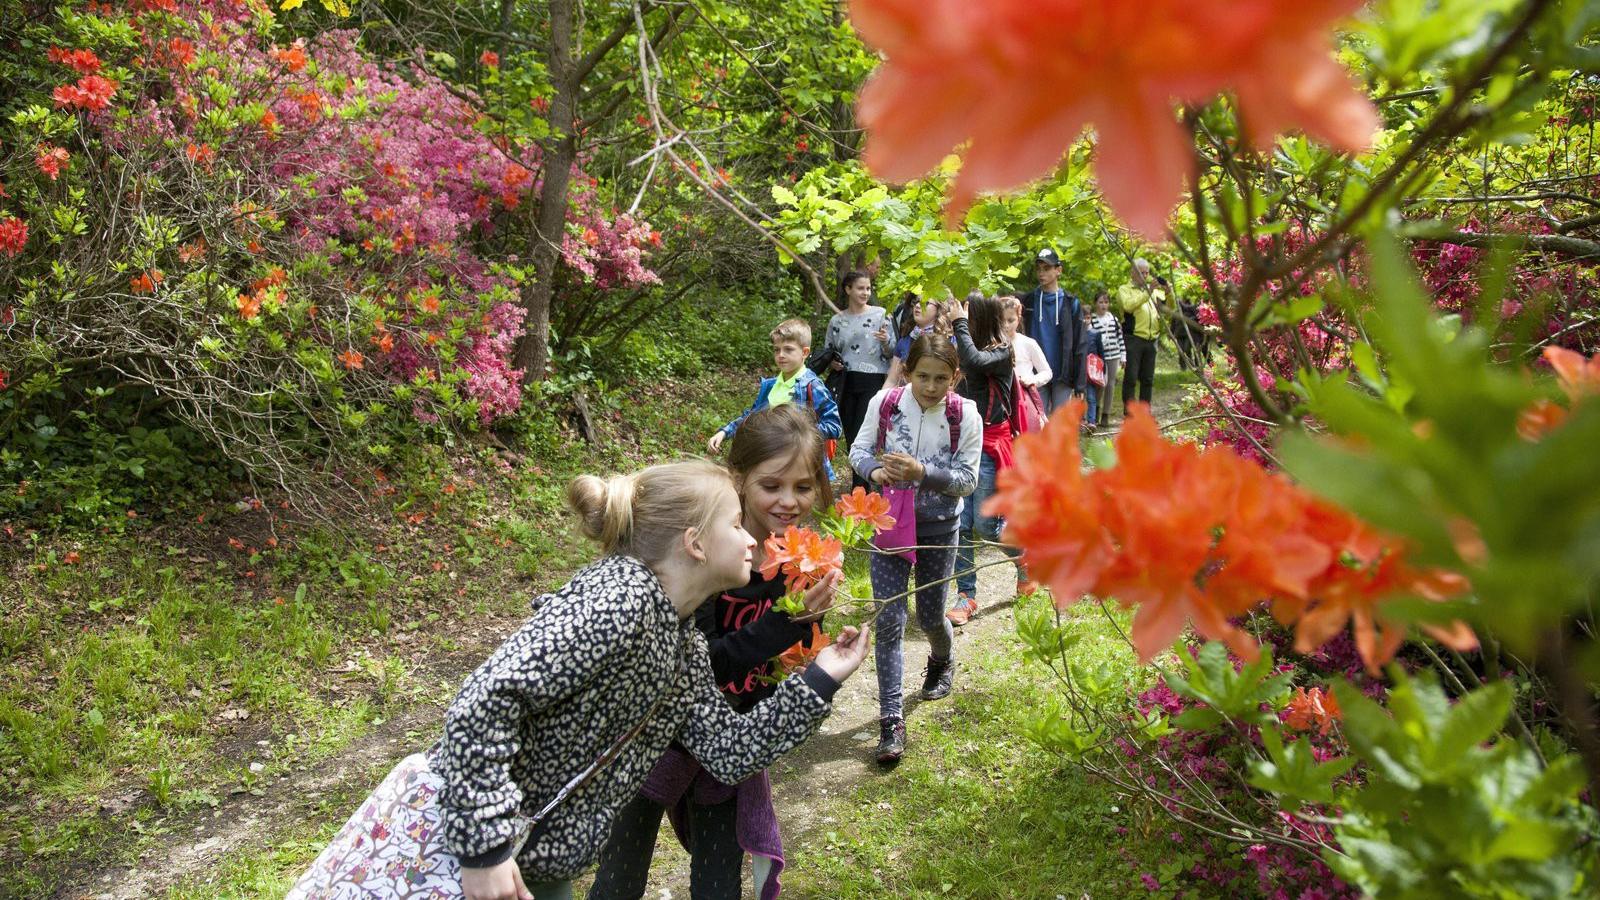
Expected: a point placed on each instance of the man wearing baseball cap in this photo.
(1054, 318)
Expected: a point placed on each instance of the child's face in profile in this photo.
(789, 357)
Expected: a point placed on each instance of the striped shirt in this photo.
(1110, 328)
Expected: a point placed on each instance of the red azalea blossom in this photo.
(200, 153)
(4, 377)
(1193, 537)
(1021, 79)
(92, 93)
(13, 235)
(84, 62)
(490, 58)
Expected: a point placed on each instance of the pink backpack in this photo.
(891, 403)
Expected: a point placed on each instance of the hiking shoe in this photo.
(891, 740)
(966, 607)
(937, 676)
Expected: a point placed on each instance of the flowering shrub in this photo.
(313, 242)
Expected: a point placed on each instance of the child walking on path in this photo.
(563, 722)
(926, 439)
(864, 338)
(987, 370)
(776, 458)
(794, 383)
(1110, 328)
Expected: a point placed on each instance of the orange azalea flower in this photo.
(1538, 420)
(1579, 376)
(192, 251)
(1315, 708)
(490, 59)
(384, 342)
(802, 555)
(429, 302)
(1195, 538)
(352, 359)
(804, 652)
(870, 508)
(1368, 567)
(1018, 80)
(249, 306)
(51, 160)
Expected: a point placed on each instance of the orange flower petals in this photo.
(802, 555)
(1195, 538)
(870, 508)
(1314, 709)
(1016, 82)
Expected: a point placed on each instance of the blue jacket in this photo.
(809, 387)
(1071, 346)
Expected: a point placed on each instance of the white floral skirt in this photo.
(392, 847)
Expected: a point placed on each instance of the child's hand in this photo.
(715, 444)
(498, 882)
(819, 598)
(841, 658)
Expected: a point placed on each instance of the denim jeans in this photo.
(977, 526)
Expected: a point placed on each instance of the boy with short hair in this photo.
(1054, 318)
(794, 383)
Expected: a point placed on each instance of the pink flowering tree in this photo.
(295, 248)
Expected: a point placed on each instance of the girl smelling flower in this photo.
(776, 457)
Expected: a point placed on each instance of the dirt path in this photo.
(832, 764)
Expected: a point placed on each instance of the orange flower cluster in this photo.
(862, 506)
(1579, 377)
(92, 93)
(84, 62)
(490, 59)
(51, 160)
(1199, 537)
(803, 556)
(352, 359)
(800, 655)
(1018, 81)
(145, 282)
(1313, 709)
(293, 58)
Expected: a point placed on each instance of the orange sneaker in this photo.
(963, 611)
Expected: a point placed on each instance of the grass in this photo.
(976, 810)
(147, 676)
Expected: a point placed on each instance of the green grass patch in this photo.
(148, 675)
(977, 810)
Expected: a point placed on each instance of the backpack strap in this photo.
(891, 402)
(952, 418)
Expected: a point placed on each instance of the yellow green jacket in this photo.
(1143, 305)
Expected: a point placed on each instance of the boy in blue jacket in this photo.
(794, 383)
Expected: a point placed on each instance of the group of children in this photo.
(643, 689)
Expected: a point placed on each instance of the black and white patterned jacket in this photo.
(584, 669)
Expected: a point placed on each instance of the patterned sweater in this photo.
(585, 668)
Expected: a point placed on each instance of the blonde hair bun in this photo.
(644, 514)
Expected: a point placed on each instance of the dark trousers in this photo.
(714, 864)
(1140, 369)
(857, 392)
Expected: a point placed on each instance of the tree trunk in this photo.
(549, 222)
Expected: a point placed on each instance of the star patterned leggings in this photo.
(890, 576)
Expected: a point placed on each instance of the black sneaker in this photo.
(891, 740)
(937, 676)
